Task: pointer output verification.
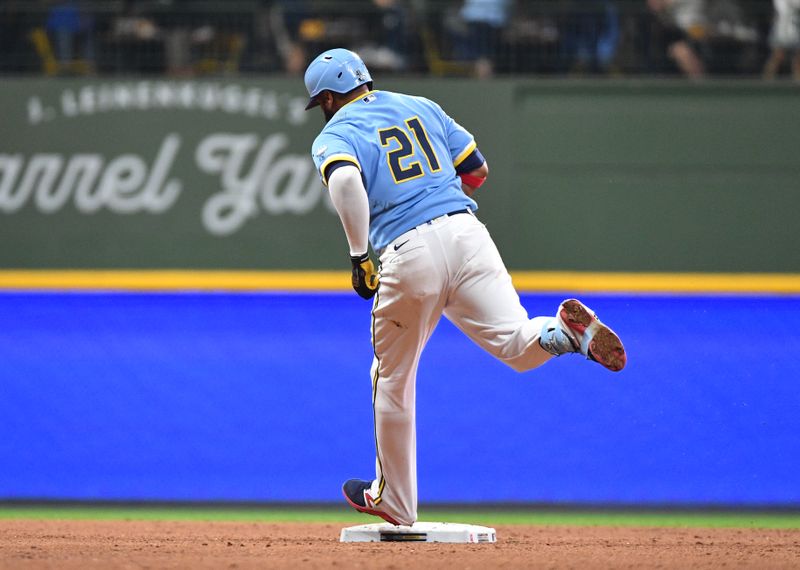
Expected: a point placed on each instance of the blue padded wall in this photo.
(266, 397)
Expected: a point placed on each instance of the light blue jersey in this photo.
(407, 149)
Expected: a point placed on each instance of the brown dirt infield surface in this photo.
(34, 544)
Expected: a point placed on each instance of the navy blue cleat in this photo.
(357, 494)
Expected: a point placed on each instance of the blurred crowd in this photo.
(481, 38)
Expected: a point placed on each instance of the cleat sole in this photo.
(604, 346)
(576, 316)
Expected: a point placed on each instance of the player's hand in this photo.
(365, 277)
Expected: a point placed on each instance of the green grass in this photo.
(696, 519)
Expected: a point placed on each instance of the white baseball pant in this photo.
(449, 265)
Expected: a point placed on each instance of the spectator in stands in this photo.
(13, 41)
(732, 39)
(785, 38)
(485, 20)
(133, 23)
(137, 41)
(590, 36)
(292, 25)
(71, 30)
(387, 48)
(178, 26)
(685, 29)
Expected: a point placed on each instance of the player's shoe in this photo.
(577, 329)
(357, 494)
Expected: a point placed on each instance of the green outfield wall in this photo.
(216, 174)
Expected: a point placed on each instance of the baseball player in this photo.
(401, 174)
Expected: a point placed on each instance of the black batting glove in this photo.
(365, 277)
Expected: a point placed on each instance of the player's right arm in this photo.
(473, 179)
(468, 161)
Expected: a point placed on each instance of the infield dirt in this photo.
(35, 544)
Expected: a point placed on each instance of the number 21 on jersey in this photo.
(397, 158)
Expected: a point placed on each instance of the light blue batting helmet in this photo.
(338, 70)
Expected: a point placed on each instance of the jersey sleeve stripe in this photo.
(336, 158)
(465, 153)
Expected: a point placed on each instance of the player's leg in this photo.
(483, 302)
(404, 317)
(407, 308)
(485, 305)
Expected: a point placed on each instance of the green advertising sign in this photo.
(216, 174)
(161, 174)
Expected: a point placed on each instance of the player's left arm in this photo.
(340, 171)
(349, 197)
